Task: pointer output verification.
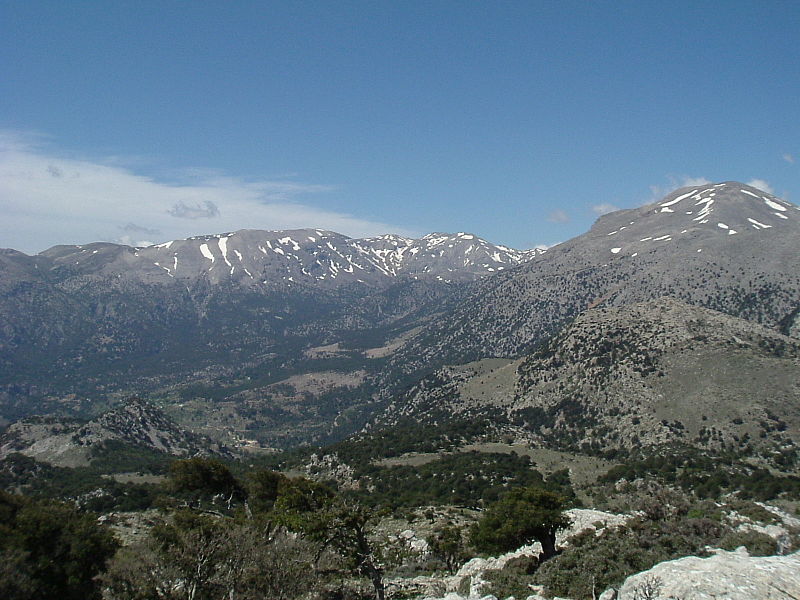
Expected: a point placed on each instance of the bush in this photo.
(757, 543)
(606, 560)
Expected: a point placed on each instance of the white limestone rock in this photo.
(729, 575)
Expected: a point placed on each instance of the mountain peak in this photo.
(698, 214)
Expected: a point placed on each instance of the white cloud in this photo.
(47, 199)
(657, 192)
(604, 208)
(788, 158)
(558, 216)
(761, 185)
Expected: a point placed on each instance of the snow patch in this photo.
(758, 225)
(678, 199)
(774, 205)
(206, 252)
(223, 247)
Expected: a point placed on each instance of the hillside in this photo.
(645, 375)
(73, 443)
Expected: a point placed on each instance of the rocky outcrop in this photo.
(328, 467)
(470, 575)
(730, 575)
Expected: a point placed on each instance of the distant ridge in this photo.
(308, 256)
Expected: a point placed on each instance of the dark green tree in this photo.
(49, 550)
(333, 523)
(204, 477)
(522, 516)
(262, 487)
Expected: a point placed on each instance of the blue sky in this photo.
(517, 121)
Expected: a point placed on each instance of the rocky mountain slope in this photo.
(645, 375)
(726, 246)
(71, 443)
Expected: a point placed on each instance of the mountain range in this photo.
(83, 326)
(674, 321)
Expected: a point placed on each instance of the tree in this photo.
(330, 521)
(522, 516)
(49, 550)
(262, 487)
(447, 544)
(197, 557)
(204, 476)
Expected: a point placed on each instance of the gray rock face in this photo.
(729, 575)
(725, 246)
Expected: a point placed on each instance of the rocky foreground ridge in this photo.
(733, 575)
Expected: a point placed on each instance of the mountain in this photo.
(312, 257)
(725, 246)
(639, 376)
(73, 443)
(211, 318)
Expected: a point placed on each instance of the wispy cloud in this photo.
(558, 216)
(206, 210)
(604, 209)
(49, 199)
(761, 185)
(788, 158)
(657, 192)
(133, 228)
